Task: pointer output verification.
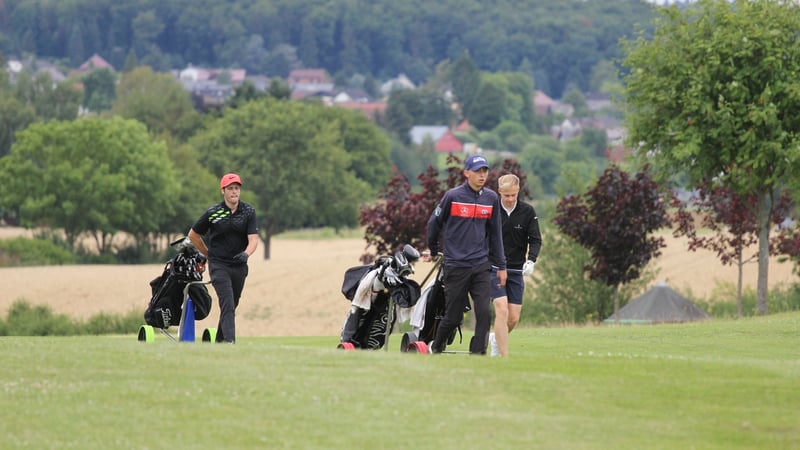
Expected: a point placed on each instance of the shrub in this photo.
(33, 252)
(105, 323)
(26, 320)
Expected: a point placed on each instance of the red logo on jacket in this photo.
(470, 210)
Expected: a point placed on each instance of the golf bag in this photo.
(428, 313)
(165, 305)
(375, 291)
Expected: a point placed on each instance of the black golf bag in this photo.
(166, 303)
(428, 314)
(372, 289)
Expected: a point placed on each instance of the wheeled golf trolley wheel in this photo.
(210, 335)
(408, 339)
(417, 347)
(346, 346)
(146, 333)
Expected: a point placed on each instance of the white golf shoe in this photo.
(494, 349)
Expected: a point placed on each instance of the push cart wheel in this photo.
(209, 335)
(418, 347)
(408, 339)
(146, 333)
(346, 346)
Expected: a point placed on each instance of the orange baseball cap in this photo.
(228, 179)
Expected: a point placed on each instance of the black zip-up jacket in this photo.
(471, 228)
(522, 239)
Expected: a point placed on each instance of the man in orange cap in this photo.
(227, 234)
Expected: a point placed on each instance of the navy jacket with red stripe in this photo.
(467, 227)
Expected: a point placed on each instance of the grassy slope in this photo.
(720, 384)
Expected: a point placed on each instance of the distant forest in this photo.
(557, 42)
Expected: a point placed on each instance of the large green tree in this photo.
(158, 101)
(714, 94)
(89, 176)
(295, 159)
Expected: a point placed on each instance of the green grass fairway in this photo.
(713, 385)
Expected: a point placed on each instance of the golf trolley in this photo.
(180, 297)
(428, 314)
(379, 293)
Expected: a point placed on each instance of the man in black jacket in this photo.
(466, 227)
(522, 242)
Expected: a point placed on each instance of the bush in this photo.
(23, 251)
(27, 320)
(104, 323)
(722, 302)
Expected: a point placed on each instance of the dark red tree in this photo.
(614, 220)
(732, 219)
(400, 216)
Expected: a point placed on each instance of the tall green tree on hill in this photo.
(714, 95)
(306, 165)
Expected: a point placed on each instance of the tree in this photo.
(16, 116)
(613, 220)
(245, 92)
(158, 101)
(131, 61)
(466, 80)
(51, 101)
(713, 95)
(564, 294)
(91, 176)
(366, 145)
(731, 217)
(408, 107)
(292, 158)
(279, 89)
(488, 106)
(99, 90)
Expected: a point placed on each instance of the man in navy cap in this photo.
(467, 227)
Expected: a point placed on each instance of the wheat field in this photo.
(297, 291)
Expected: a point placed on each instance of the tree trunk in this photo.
(265, 242)
(616, 304)
(763, 218)
(739, 286)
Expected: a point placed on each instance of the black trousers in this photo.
(458, 282)
(228, 281)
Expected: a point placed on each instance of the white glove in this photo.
(390, 277)
(527, 268)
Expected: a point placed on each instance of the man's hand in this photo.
(241, 257)
(502, 277)
(527, 268)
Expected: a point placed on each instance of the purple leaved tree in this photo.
(614, 220)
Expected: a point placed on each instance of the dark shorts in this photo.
(515, 286)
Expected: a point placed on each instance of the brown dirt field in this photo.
(297, 291)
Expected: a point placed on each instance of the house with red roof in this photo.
(94, 63)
